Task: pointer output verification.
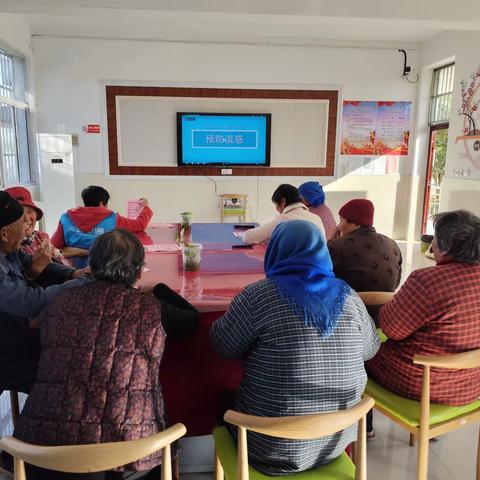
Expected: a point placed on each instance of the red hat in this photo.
(359, 211)
(24, 197)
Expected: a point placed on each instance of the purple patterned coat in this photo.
(98, 378)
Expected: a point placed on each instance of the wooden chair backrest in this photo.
(302, 427)
(90, 458)
(233, 195)
(375, 298)
(463, 360)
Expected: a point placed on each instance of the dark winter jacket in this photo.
(98, 378)
(20, 302)
(367, 261)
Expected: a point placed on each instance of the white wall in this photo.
(147, 128)
(458, 191)
(15, 35)
(70, 79)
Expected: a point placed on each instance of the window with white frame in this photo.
(441, 95)
(14, 150)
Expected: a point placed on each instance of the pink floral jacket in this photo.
(33, 243)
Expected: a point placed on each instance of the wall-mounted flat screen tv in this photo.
(223, 139)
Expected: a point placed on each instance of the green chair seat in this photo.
(341, 468)
(382, 336)
(409, 410)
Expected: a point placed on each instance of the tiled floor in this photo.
(412, 258)
(452, 457)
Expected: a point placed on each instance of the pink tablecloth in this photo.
(197, 382)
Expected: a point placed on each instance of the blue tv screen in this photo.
(226, 139)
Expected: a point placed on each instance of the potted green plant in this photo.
(186, 220)
(191, 254)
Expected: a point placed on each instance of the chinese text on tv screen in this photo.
(223, 139)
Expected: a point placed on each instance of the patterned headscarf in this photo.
(313, 193)
(298, 262)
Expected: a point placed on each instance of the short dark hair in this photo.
(288, 192)
(93, 195)
(458, 235)
(117, 256)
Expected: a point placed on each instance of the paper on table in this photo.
(160, 247)
(161, 225)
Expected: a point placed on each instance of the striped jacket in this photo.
(290, 369)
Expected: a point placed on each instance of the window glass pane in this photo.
(6, 75)
(21, 122)
(8, 145)
(441, 96)
(19, 79)
(14, 147)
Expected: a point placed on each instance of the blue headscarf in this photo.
(298, 262)
(313, 193)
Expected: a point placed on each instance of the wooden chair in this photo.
(375, 298)
(233, 204)
(233, 465)
(423, 419)
(95, 457)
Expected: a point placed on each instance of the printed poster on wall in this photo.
(375, 128)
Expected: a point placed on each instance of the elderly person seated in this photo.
(364, 258)
(98, 378)
(303, 336)
(436, 312)
(79, 227)
(34, 239)
(290, 206)
(313, 197)
(27, 284)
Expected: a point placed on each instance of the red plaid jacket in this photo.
(437, 311)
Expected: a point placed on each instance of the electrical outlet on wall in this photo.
(461, 172)
(226, 171)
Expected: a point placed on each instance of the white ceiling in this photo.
(287, 22)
